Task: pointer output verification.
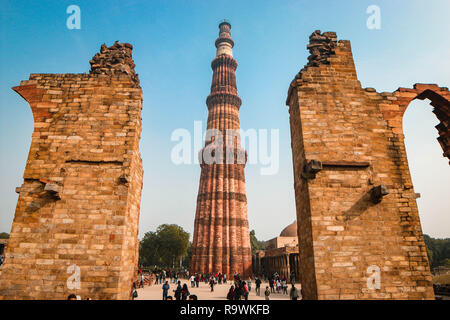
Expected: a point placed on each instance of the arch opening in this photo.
(428, 169)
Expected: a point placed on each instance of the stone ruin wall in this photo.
(346, 221)
(79, 202)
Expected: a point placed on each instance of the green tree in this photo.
(255, 243)
(187, 258)
(430, 247)
(148, 250)
(4, 235)
(173, 243)
(164, 247)
(438, 251)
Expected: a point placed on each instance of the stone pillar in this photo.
(279, 264)
(355, 201)
(283, 264)
(288, 265)
(221, 241)
(78, 209)
(276, 265)
(272, 265)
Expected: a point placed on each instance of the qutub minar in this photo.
(221, 235)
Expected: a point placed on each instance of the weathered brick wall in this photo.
(358, 140)
(79, 203)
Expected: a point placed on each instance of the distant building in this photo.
(281, 255)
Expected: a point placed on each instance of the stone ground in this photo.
(203, 292)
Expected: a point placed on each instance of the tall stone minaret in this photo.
(221, 236)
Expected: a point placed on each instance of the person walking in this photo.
(178, 291)
(245, 290)
(185, 292)
(150, 280)
(230, 294)
(249, 284)
(197, 280)
(293, 294)
(237, 292)
(271, 281)
(141, 283)
(278, 284)
(165, 289)
(258, 286)
(134, 293)
(192, 281)
(267, 293)
(284, 286)
(211, 283)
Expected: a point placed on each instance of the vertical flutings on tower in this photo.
(221, 235)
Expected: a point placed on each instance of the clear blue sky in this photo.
(173, 47)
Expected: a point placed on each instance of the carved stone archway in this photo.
(439, 99)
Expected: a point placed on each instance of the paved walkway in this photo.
(203, 292)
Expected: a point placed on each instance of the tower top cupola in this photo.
(224, 43)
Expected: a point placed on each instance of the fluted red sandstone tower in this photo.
(221, 235)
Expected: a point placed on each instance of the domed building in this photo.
(290, 230)
(280, 255)
(287, 238)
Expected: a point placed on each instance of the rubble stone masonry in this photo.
(79, 203)
(356, 206)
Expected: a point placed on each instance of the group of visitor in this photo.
(180, 293)
(210, 279)
(278, 284)
(294, 293)
(158, 276)
(161, 276)
(239, 290)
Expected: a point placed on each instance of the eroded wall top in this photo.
(114, 60)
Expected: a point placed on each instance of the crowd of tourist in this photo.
(240, 289)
